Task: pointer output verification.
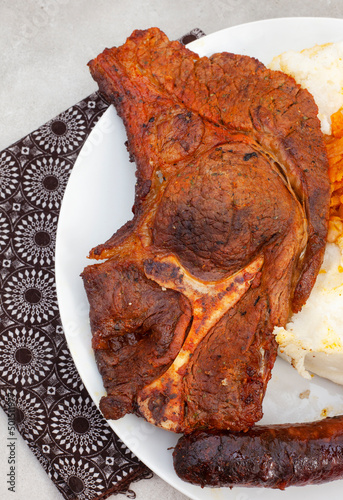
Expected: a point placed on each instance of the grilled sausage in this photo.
(275, 456)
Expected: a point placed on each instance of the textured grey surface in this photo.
(44, 48)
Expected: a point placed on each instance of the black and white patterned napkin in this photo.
(40, 388)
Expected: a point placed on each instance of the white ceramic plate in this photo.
(98, 201)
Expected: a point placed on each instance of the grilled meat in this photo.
(228, 233)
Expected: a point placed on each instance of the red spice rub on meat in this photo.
(228, 234)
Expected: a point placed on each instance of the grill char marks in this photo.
(229, 229)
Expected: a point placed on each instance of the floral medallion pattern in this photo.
(64, 134)
(30, 413)
(35, 238)
(45, 179)
(30, 297)
(9, 175)
(66, 369)
(77, 425)
(26, 356)
(83, 477)
(5, 230)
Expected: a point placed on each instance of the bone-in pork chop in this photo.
(228, 234)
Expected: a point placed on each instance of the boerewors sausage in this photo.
(275, 456)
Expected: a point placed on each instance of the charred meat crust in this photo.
(276, 456)
(231, 170)
(143, 330)
(236, 93)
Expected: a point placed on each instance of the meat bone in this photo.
(209, 300)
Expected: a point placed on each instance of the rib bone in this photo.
(209, 300)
